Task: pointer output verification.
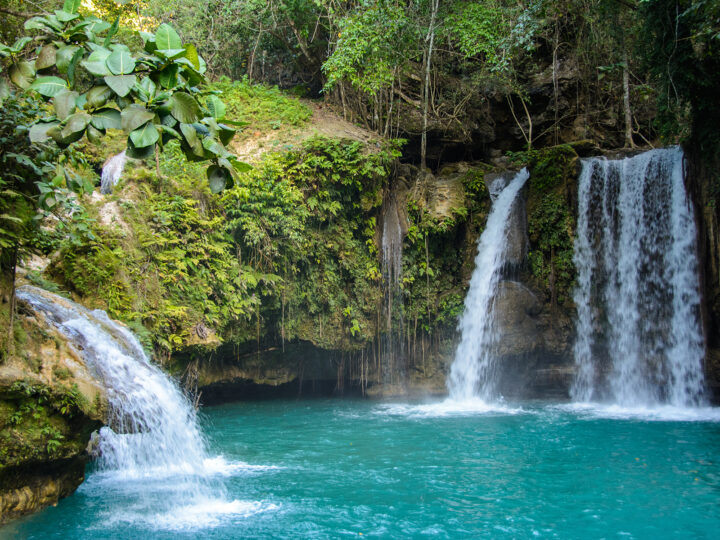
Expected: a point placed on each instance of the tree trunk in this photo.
(430, 38)
(626, 103)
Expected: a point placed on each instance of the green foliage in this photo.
(373, 42)
(266, 108)
(93, 81)
(293, 237)
(681, 46)
(38, 422)
(551, 222)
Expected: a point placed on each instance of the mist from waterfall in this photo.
(152, 456)
(473, 372)
(639, 334)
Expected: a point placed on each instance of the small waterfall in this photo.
(639, 336)
(391, 255)
(152, 457)
(472, 374)
(111, 172)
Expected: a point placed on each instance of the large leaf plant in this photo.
(93, 83)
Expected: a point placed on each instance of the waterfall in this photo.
(151, 456)
(111, 172)
(639, 335)
(472, 374)
(391, 254)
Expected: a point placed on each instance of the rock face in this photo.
(49, 406)
(702, 182)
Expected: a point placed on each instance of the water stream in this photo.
(153, 463)
(472, 375)
(639, 334)
(111, 172)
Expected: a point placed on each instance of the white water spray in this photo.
(637, 294)
(152, 457)
(111, 172)
(472, 374)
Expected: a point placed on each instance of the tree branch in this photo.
(18, 14)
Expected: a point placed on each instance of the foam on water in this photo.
(203, 514)
(650, 413)
(448, 407)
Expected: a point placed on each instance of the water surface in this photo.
(329, 469)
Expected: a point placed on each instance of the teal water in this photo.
(329, 469)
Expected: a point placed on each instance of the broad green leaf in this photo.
(19, 44)
(21, 74)
(184, 107)
(241, 166)
(65, 16)
(169, 130)
(134, 116)
(145, 135)
(217, 178)
(63, 57)
(96, 63)
(216, 107)
(74, 124)
(192, 140)
(65, 104)
(168, 76)
(60, 140)
(192, 55)
(167, 38)
(47, 57)
(42, 23)
(146, 88)
(236, 123)
(71, 6)
(168, 120)
(225, 133)
(4, 90)
(171, 54)
(94, 135)
(39, 131)
(120, 47)
(98, 96)
(121, 84)
(120, 62)
(73, 66)
(113, 30)
(106, 119)
(143, 152)
(225, 164)
(49, 86)
(96, 25)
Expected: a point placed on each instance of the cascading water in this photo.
(472, 374)
(639, 338)
(391, 252)
(152, 455)
(111, 172)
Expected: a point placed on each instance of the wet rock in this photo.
(516, 311)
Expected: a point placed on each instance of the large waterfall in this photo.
(472, 374)
(639, 337)
(152, 456)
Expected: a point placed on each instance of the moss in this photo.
(551, 219)
(38, 423)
